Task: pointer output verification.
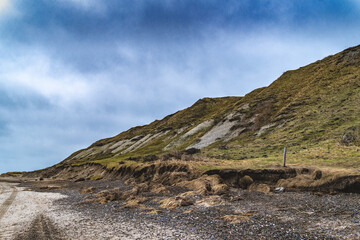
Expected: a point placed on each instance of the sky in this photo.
(76, 71)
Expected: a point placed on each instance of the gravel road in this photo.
(53, 213)
(8, 201)
(19, 208)
(43, 215)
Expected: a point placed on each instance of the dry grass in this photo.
(151, 211)
(135, 203)
(169, 203)
(188, 211)
(255, 187)
(209, 201)
(87, 190)
(205, 185)
(158, 188)
(183, 199)
(237, 218)
(310, 180)
(233, 219)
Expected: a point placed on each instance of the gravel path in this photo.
(19, 207)
(54, 215)
(7, 203)
(41, 228)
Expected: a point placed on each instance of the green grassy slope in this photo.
(184, 120)
(314, 111)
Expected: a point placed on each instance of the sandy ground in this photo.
(27, 214)
(19, 207)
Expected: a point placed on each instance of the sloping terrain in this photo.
(314, 111)
(217, 165)
(176, 131)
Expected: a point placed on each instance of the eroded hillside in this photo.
(314, 111)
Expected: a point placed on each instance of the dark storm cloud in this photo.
(75, 71)
(86, 36)
(128, 16)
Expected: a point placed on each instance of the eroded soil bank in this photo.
(182, 173)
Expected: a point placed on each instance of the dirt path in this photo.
(39, 214)
(23, 213)
(5, 206)
(42, 228)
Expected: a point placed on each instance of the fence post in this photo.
(284, 158)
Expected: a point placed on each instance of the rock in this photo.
(186, 202)
(245, 182)
(279, 189)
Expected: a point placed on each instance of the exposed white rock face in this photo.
(143, 141)
(232, 125)
(101, 149)
(246, 106)
(264, 128)
(92, 151)
(83, 153)
(120, 147)
(181, 130)
(201, 126)
(181, 139)
(216, 133)
(221, 131)
(138, 143)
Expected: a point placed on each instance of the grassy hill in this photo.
(314, 111)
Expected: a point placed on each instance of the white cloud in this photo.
(96, 6)
(38, 73)
(5, 5)
(8, 8)
(127, 52)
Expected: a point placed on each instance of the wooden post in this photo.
(284, 158)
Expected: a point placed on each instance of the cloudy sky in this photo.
(75, 71)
